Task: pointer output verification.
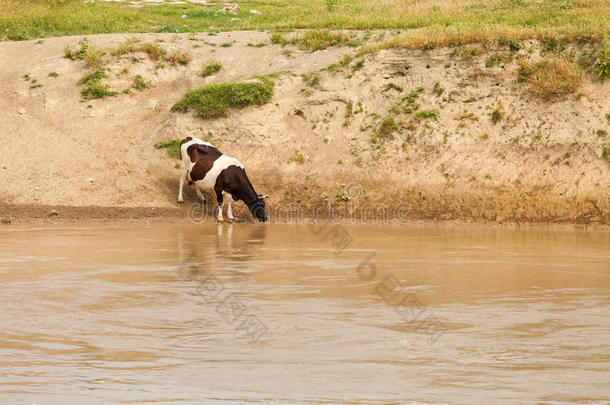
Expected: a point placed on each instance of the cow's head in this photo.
(258, 208)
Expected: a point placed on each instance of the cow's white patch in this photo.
(220, 164)
(186, 165)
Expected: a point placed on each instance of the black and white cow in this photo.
(205, 166)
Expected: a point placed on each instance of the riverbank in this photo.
(438, 134)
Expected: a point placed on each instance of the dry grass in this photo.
(88, 52)
(153, 50)
(178, 57)
(316, 40)
(552, 77)
(441, 36)
(133, 45)
(98, 59)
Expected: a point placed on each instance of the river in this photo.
(304, 314)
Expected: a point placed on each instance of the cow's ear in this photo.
(263, 196)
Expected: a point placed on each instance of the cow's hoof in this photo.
(230, 220)
(180, 202)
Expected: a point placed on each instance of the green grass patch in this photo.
(52, 74)
(139, 83)
(602, 67)
(459, 20)
(79, 53)
(358, 65)
(497, 114)
(211, 68)
(172, 146)
(278, 39)
(317, 40)
(494, 59)
(427, 114)
(387, 127)
(95, 87)
(213, 100)
(299, 157)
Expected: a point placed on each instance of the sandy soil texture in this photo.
(317, 142)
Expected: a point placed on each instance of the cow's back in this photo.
(205, 175)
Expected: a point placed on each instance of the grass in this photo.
(211, 68)
(53, 74)
(438, 90)
(497, 114)
(178, 57)
(441, 23)
(317, 40)
(213, 100)
(95, 59)
(79, 53)
(552, 77)
(95, 87)
(133, 45)
(427, 114)
(358, 65)
(299, 157)
(278, 39)
(387, 127)
(139, 83)
(467, 52)
(602, 67)
(312, 79)
(172, 146)
(494, 59)
(314, 40)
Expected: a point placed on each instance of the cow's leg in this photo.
(181, 186)
(229, 198)
(201, 196)
(219, 198)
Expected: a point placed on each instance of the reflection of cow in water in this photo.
(207, 168)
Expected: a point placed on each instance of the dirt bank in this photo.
(320, 141)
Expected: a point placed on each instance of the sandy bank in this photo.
(315, 143)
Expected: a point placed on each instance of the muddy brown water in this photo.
(297, 314)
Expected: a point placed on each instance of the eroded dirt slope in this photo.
(541, 162)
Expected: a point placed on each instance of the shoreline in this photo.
(26, 215)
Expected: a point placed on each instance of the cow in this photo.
(208, 168)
